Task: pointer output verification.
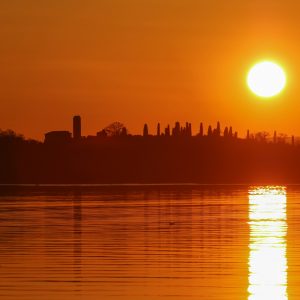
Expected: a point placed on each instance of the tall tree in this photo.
(158, 129)
(218, 131)
(114, 129)
(145, 130)
(226, 132)
(167, 131)
(190, 129)
(209, 131)
(201, 130)
(230, 132)
(177, 129)
(275, 137)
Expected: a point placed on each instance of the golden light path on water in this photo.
(268, 230)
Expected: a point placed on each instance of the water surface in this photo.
(149, 242)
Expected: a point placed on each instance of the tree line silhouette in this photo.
(117, 129)
(171, 155)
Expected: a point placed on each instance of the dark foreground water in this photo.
(150, 242)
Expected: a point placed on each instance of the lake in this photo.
(148, 242)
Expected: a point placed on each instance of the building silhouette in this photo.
(57, 137)
(76, 127)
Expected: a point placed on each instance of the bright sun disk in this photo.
(266, 79)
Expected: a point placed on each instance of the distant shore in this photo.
(150, 160)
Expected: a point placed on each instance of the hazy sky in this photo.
(138, 61)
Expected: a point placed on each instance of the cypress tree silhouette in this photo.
(145, 130)
(225, 132)
(230, 132)
(218, 130)
(167, 131)
(158, 129)
(190, 129)
(176, 131)
(275, 137)
(248, 134)
(209, 131)
(201, 130)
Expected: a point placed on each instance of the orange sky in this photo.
(139, 61)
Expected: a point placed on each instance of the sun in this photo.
(266, 79)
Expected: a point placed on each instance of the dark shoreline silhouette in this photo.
(171, 156)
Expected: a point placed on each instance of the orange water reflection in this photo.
(268, 230)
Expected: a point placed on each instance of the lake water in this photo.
(150, 242)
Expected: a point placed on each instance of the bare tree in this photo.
(282, 138)
(115, 129)
(261, 136)
(11, 134)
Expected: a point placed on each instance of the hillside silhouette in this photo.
(171, 155)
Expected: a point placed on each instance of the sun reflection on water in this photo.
(268, 230)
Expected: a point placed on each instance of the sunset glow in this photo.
(145, 61)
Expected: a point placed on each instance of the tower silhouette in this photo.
(76, 127)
